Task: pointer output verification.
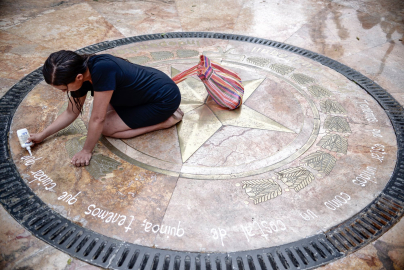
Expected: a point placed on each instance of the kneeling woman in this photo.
(129, 100)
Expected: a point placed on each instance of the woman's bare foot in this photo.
(178, 114)
(173, 119)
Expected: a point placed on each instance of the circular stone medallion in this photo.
(307, 150)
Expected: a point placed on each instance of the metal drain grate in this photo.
(373, 221)
(18, 199)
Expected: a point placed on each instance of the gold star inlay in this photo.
(203, 117)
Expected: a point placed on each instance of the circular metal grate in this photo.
(28, 209)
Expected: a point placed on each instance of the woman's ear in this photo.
(79, 77)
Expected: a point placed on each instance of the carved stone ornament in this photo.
(296, 178)
(262, 190)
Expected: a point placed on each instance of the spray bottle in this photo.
(23, 136)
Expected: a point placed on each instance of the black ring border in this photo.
(367, 225)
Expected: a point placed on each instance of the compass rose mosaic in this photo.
(307, 150)
(205, 144)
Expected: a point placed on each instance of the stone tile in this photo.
(245, 144)
(198, 219)
(365, 110)
(168, 49)
(21, 250)
(69, 28)
(323, 27)
(364, 259)
(145, 158)
(215, 16)
(13, 20)
(316, 34)
(236, 146)
(335, 33)
(387, 252)
(388, 14)
(9, 7)
(140, 17)
(364, 31)
(383, 64)
(124, 194)
(20, 56)
(139, 1)
(15, 12)
(390, 247)
(197, 207)
(275, 20)
(5, 85)
(399, 97)
(168, 140)
(317, 39)
(385, 8)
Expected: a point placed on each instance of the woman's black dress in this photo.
(143, 96)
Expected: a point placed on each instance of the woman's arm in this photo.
(95, 126)
(62, 121)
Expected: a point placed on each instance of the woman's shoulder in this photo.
(101, 59)
(104, 56)
(107, 61)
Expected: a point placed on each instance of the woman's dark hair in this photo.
(62, 68)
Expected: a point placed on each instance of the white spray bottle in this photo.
(23, 136)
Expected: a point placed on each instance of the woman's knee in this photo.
(113, 124)
(107, 131)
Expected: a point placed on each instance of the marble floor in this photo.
(366, 35)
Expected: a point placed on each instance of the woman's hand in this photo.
(81, 158)
(36, 138)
